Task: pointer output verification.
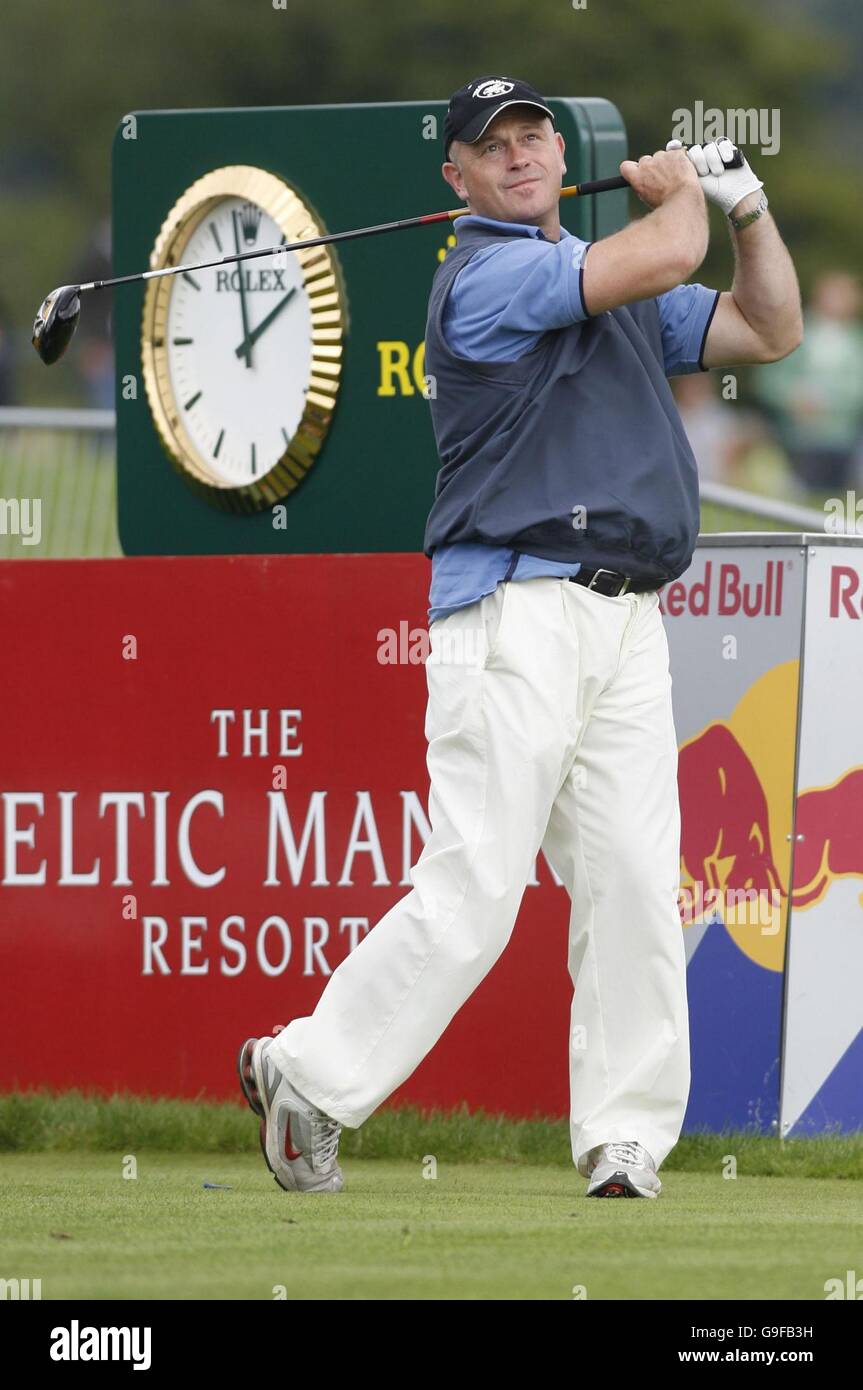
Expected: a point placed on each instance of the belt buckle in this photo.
(594, 577)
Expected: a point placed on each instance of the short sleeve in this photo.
(685, 316)
(507, 296)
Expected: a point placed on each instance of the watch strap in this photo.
(739, 222)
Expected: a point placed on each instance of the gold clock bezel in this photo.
(324, 285)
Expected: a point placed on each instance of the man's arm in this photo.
(661, 250)
(759, 319)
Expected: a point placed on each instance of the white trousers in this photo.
(549, 726)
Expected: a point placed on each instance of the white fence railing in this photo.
(769, 508)
(58, 488)
(66, 458)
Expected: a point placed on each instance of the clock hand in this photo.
(247, 347)
(253, 337)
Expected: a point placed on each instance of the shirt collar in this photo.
(523, 228)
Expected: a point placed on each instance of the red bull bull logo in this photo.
(725, 829)
(828, 838)
(739, 818)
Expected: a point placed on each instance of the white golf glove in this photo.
(720, 184)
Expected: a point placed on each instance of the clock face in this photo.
(239, 344)
(242, 360)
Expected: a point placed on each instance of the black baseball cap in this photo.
(475, 105)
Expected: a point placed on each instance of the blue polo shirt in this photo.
(501, 303)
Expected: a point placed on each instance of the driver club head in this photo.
(56, 322)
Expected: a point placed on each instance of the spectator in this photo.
(720, 432)
(815, 396)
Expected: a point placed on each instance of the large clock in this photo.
(242, 361)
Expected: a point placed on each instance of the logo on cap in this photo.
(496, 87)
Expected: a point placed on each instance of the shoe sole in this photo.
(620, 1186)
(247, 1078)
(252, 1096)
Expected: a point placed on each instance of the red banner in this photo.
(213, 784)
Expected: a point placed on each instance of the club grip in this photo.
(602, 185)
(607, 185)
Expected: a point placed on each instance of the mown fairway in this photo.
(480, 1230)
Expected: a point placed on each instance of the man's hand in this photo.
(655, 253)
(720, 184)
(657, 176)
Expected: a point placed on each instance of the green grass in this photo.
(42, 1121)
(73, 475)
(477, 1231)
(719, 519)
(505, 1218)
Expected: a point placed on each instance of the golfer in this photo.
(567, 496)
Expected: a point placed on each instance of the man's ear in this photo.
(454, 179)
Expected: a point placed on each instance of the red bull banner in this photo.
(213, 785)
(767, 667)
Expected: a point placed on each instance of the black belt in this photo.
(609, 582)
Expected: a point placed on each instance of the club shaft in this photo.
(574, 190)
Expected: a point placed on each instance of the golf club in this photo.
(58, 315)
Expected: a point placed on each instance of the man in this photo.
(567, 496)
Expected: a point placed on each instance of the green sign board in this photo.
(369, 482)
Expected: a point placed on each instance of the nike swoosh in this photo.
(290, 1152)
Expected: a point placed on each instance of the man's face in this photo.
(514, 171)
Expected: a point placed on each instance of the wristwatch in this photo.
(739, 222)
